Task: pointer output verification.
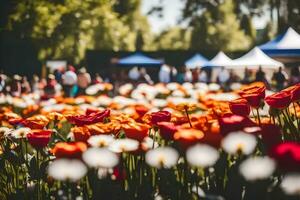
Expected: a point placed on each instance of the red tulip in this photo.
(230, 123)
(279, 100)
(160, 116)
(239, 107)
(88, 118)
(287, 156)
(254, 94)
(167, 130)
(294, 91)
(141, 110)
(39, 138)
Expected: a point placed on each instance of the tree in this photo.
(219, 29)
(175, 38)
(66, 29)
(247, 25)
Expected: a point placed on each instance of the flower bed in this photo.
(152, 142)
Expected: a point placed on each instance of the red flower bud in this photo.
(239, 107)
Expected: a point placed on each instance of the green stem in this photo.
(187, 115)
(38, 177)
(258, 117)
(297, 120)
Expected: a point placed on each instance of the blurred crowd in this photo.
(225, 77)
(72, 82)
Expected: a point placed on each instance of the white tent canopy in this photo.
(255, 58)
(196, 61)
(290, 40)
(220, 60)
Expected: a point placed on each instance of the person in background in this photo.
(49, 89)
(35, 83)
(280, 77)
(2, 84)
(173, 74)
(144, 76)
(15, 87)
(97, 79)
(180, 76)
(233, 77)
(83, 80)
(69, 80)
(203, 76)
(58, 75)
(25, 86)
(188, 76)
(134, 74)
(164, 74)
(223, 78)
(195, 75)
(295, 76)
(247, 76)
(260, 76)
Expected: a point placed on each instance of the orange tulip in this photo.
(107, 128)
(81, 133)
(188, 137)
(69, 149)
(137, 131)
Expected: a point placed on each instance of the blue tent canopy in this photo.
(196, 61)
(139, 60)
(287, 44)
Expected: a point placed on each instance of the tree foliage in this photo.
(175, 38)
(66, 29)
(218, 28)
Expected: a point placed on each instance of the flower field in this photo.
(166, 141)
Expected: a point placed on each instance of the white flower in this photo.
(178, 93)
(93, 89)
(5, 131)
(162, 157)
(67, 169)
(235, 86)
(100, 157)
(172, 86)
(187, 85)
(198, 191)
(257, 168)
(102, 101)
(202, 155)
(239, 142)
(123, 101)
(19, 103)
(125, 89)
(104, 172)
(201, 86)
(2, 99)
(124, 145)
(148, 143)
(48, 102)
(129, 111)
(20, 132)
(213, 87)
(79, 100)
(291, 184)
(100, 140)
(159, 103)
